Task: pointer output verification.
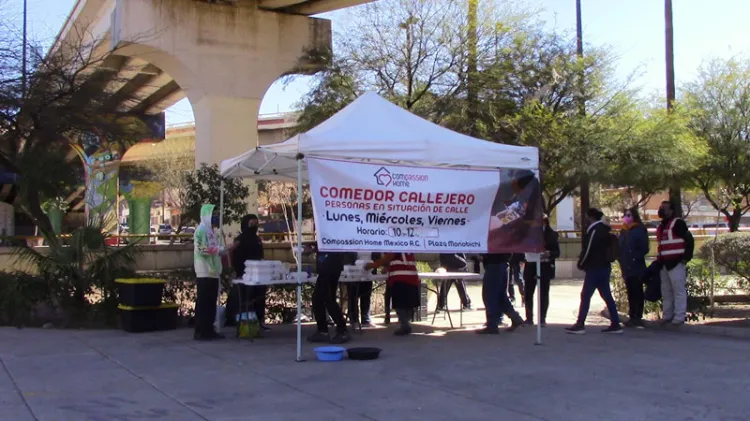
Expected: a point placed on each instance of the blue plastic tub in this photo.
(330, 353)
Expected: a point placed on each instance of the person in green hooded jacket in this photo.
(207, 250)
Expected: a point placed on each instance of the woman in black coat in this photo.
(249, 246)
(552, 252)
(633, 245)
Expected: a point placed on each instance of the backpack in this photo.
(613, 248)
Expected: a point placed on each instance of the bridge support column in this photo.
(224, 57)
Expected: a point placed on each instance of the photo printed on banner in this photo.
(516, 223)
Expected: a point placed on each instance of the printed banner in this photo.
(367, 207)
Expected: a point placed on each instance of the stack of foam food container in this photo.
(263, 272)
(357, 270)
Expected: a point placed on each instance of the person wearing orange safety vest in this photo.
(675, 249)
(403, 280)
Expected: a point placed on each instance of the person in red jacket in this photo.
(403, 280)
(675, 249)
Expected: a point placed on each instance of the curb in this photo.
(726, 332)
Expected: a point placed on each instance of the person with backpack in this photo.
(598, 251)
(633, 244)
(675, 250)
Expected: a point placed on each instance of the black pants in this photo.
(529, 277)
(205, 305)
(634, 286)
(515, 278)
(445, 288)
(324, 300)
(253, 299)
(359, 293)
(388, 301)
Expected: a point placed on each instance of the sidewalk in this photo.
(436, 374)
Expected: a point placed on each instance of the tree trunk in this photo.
(734, 220)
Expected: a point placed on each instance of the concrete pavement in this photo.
(437, 375)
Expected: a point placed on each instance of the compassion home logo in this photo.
(386, 178)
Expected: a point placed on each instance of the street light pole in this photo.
(23, 48)
(675, 191)
(585, 184)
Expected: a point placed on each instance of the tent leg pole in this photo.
(538, 301)
(299, 260)
(217, 321)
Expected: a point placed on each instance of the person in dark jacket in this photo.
(595, 262)
(330, 265)
(453, 262)
(495, 294)
(633, 242)
(248, 246)
(552, 252)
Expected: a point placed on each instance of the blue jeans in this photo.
(597, 279)
(495, 293)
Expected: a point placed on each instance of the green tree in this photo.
(203, 185)
(649, 150)
(718, 103)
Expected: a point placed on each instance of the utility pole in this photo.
(585, 184)
(472, 95)
(675, 191)
(23, 49)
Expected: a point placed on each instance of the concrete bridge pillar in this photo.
(224, 57)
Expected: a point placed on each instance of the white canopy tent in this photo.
(373, 130)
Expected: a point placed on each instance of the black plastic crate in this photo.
(145, 292)
(148, 319)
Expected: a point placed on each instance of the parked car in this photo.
(165, 231)
(187, 231)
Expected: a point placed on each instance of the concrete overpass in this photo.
(221, 56)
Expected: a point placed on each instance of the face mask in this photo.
(253, 229)
(662, 213)
(215, 220)
(627, 220)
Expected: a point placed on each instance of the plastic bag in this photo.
(249, 327)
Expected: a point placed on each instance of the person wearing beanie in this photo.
(596, 264)
(249, 246)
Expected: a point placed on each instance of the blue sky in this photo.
(634, 29)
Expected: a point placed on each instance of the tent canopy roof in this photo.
(371, 129)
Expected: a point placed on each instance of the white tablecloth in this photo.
(425, 275)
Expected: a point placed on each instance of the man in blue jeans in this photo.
(495, 294)
(595, 262)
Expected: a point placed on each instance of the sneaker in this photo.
(678, 322)
(265, 328)
(614, 329)
(515, 325)
(529, 322)
(368, 324)
(341, 338)
(208, 336)
(544, 324)
(319, 337)
(403, 331)
(488, 331)
(576, 330)
(638, 324)
(665, 322)
(468, 307)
